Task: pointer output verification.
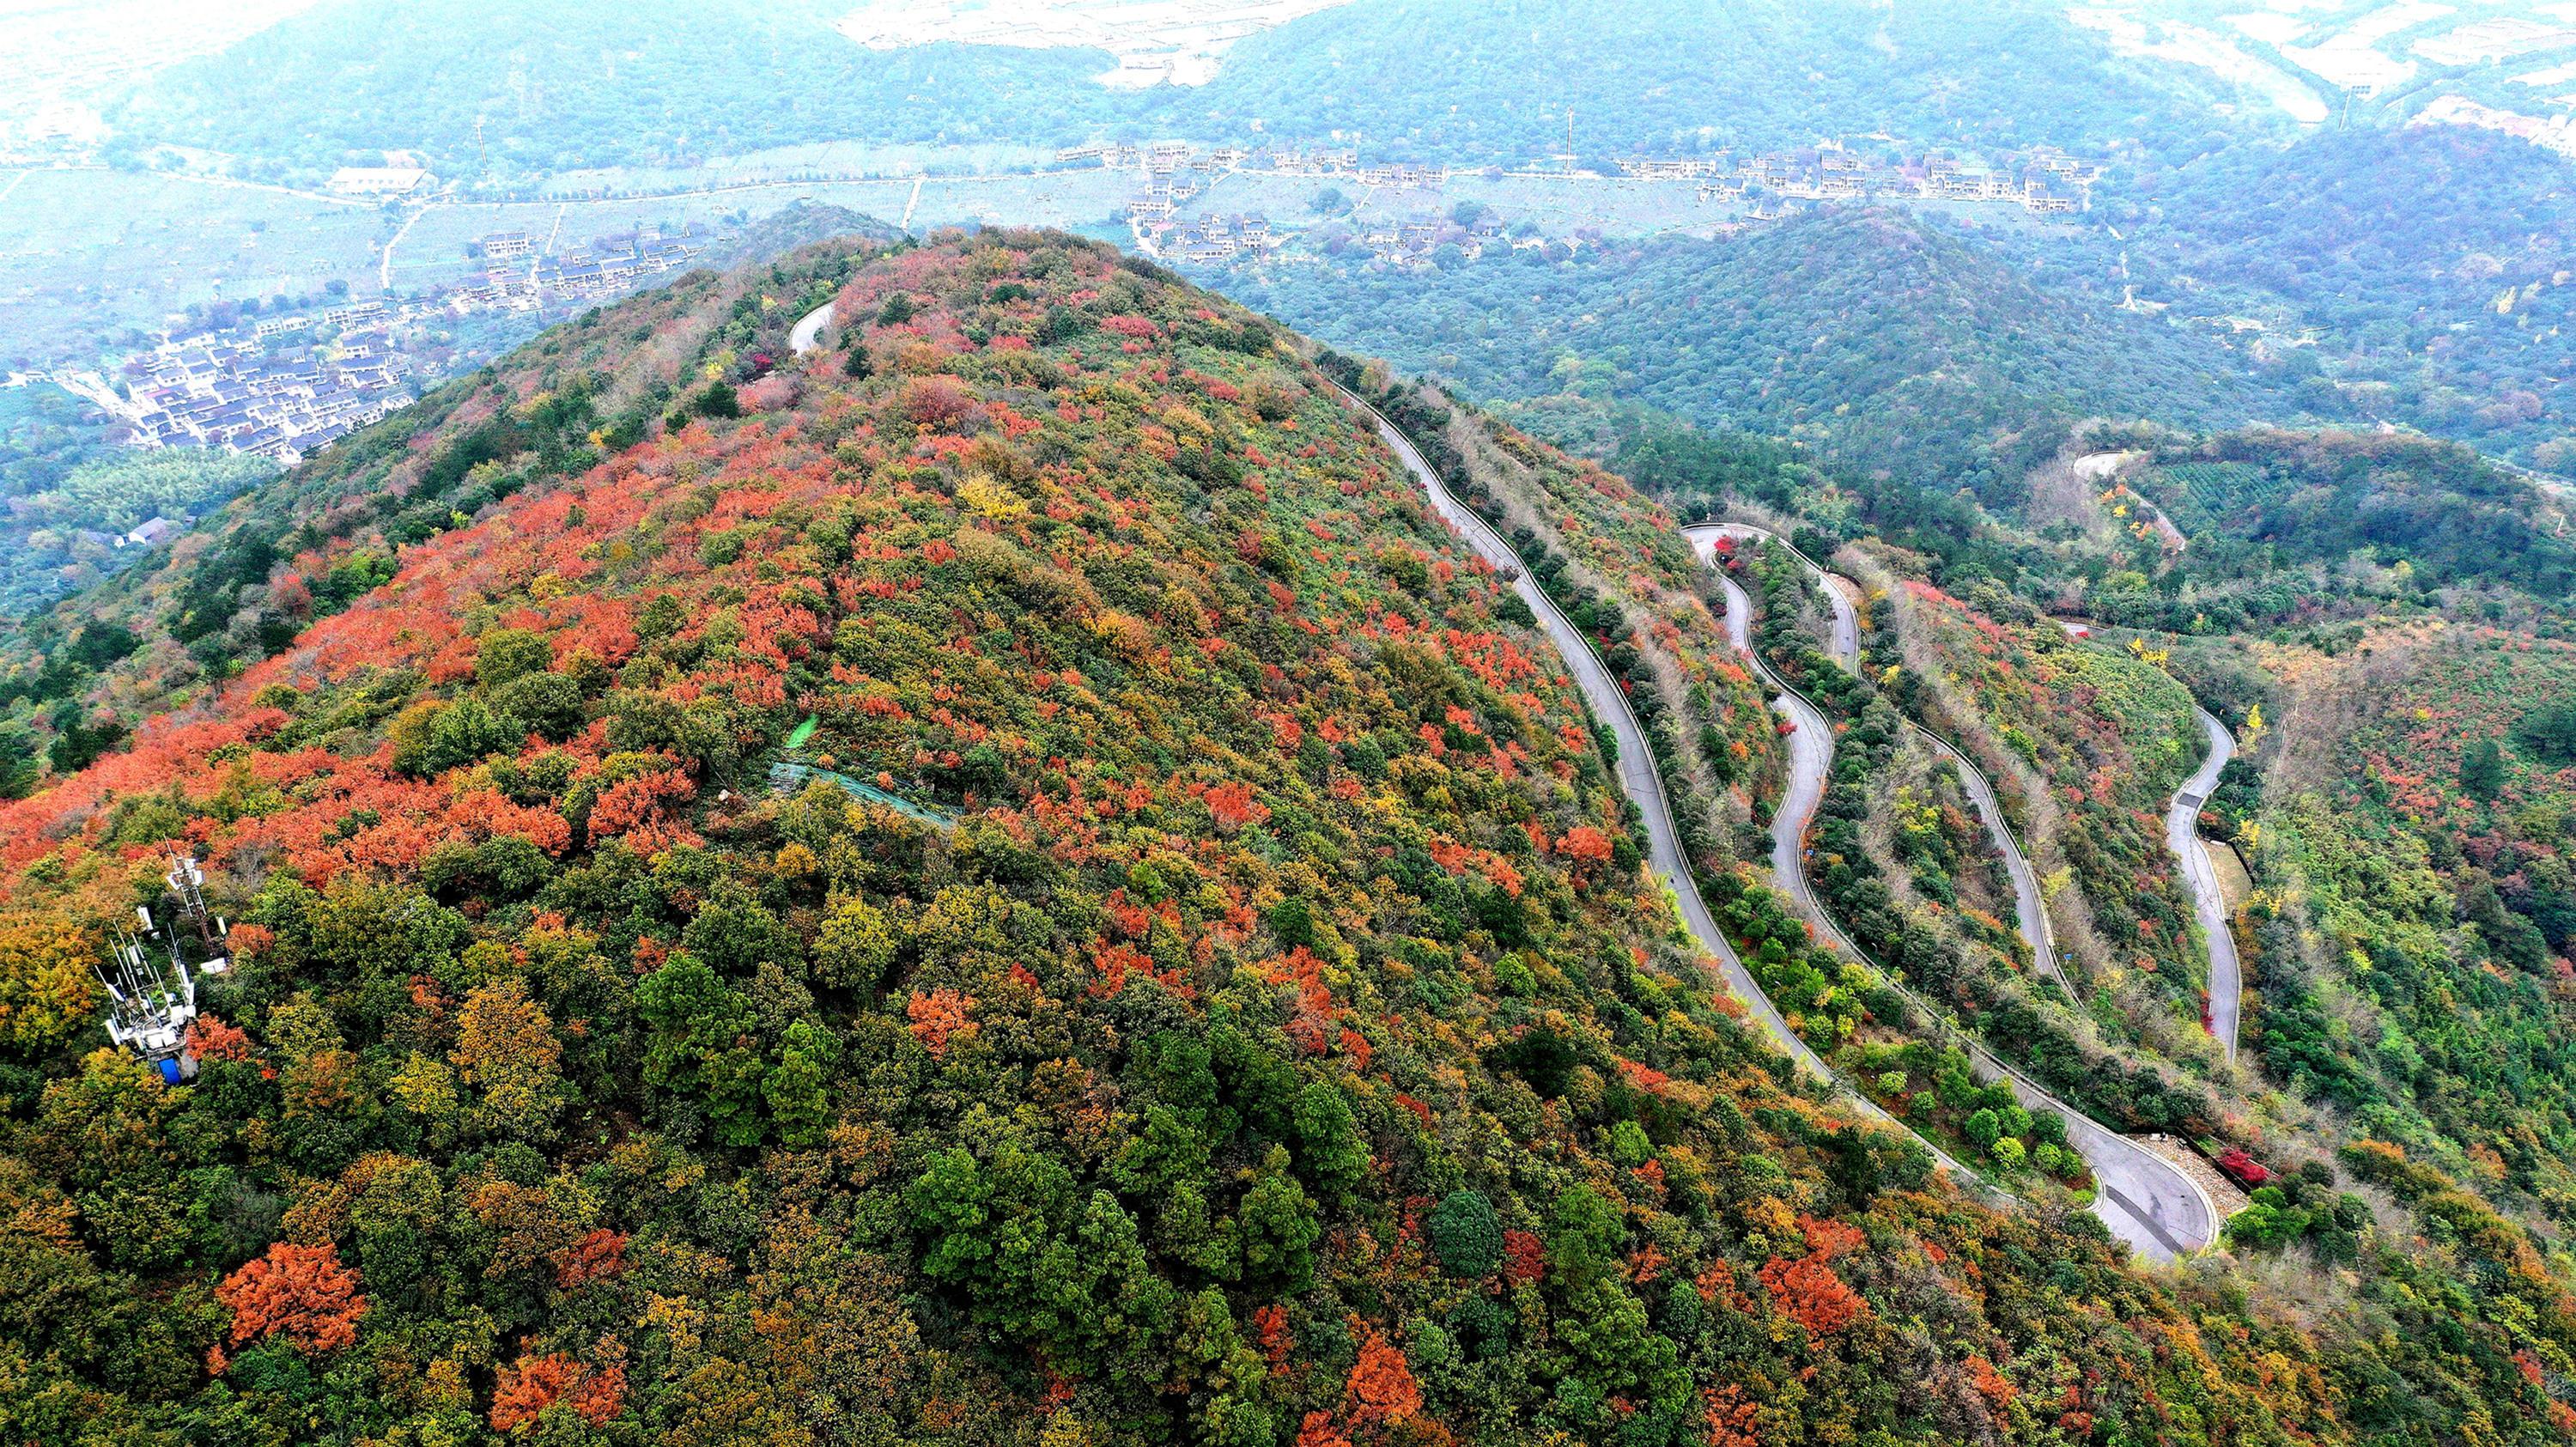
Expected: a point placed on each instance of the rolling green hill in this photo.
(561, 86)
(1887, 339)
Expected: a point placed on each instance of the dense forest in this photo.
(1203, 987)
(1887, 339)
(2413, 273)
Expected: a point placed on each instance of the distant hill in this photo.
(1495, 78)
(2424, 270)
(1889, 339)
(799, 224)
(560, 85)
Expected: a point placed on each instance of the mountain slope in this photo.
(559, 86)
(1251, 1027)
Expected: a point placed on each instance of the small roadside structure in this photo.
(792, 772)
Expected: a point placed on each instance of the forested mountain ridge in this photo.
(1464, 81)
(1257, 1031)
(1887, 340)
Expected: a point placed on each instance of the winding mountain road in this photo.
(2208, 903)
(2159, 1211)
(1845, 645)
(1638, 778)
(2030, 907)
(2146, 1201)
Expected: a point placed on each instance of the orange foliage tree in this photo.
(302, 1293)
(1381, 1388)
(1809, 1293)
(1731, 1419)
(938, 1015)
(534, 1383)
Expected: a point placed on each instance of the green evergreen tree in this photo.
(2482, 770)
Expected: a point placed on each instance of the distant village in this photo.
(283, 386)
(2044, 182)
(1172, 174)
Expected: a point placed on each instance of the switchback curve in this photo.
(2146, 1200)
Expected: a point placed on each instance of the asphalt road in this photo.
(2146, 1200)
(2030, 909)
(807, 334)
(2182, 836)
(1638, 777)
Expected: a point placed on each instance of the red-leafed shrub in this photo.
(2242, 1168)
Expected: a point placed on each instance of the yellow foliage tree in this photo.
(506, 1050)
(45, 988)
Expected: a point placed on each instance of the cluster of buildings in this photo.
(249, 393)
(517, 279)
(2040, 183)
(1208, 238)
(401, 174)
(1180, 163)
(2045, 182)
(1174, 173)
(1414, 241)
(283, 386)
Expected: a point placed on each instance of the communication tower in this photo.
(151, 989)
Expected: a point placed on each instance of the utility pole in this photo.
(482, 162)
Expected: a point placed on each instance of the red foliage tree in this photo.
(1232, 806)
(1731, 1419)
(1270, 1328)
(938, 1015)
(1319, 1430)
(211, 1039)
(1809, 1293)
(595, 1257)
(1991, 1384)
(300, 1292)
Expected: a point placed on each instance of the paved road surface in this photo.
(2029, 907)
(2145, 1200)
(2182, 836)
(807, 334)
(1638, 777)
